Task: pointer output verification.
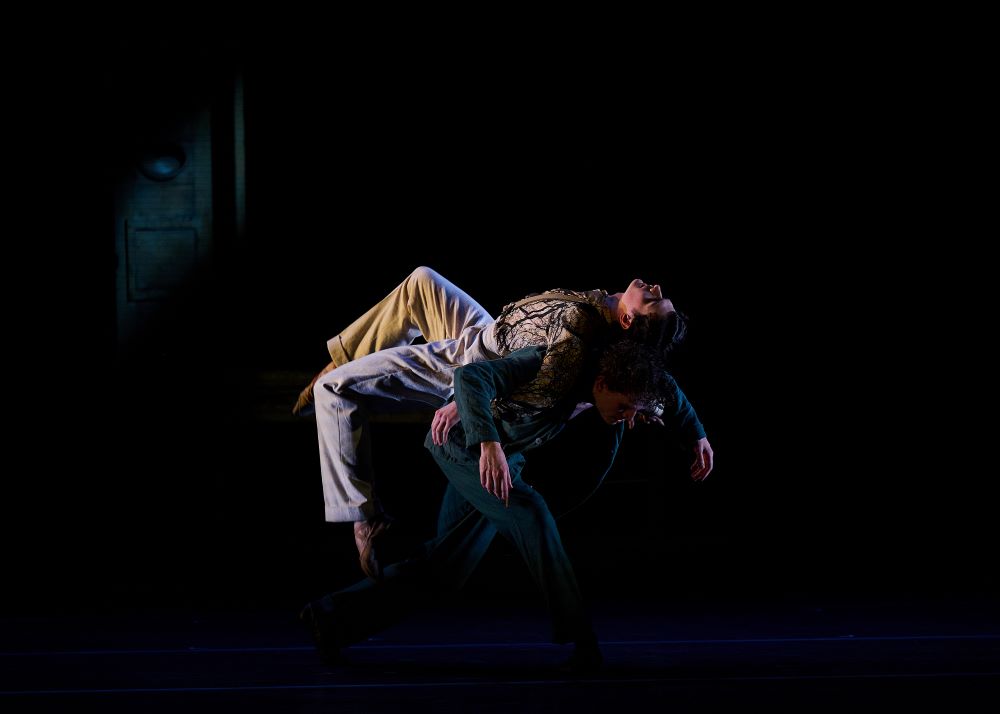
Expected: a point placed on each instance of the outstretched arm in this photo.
(680, 415)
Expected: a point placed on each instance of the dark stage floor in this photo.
(778, 593)
(803, 654)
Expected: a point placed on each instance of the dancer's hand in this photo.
(444, 419)
(704, 460)
(494, 473)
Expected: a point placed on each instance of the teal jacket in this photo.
(479, 383)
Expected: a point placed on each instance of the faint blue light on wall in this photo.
(162, 162)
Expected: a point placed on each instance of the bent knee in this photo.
(425, 275)
(330, 386)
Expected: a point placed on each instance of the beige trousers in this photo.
(380, 371)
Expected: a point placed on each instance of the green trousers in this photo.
(468, 521)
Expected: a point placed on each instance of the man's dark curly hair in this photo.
(637, 371)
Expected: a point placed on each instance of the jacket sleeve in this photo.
(479, 383)
(681, 416)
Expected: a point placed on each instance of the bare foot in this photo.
(305, 400)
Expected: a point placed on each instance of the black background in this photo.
(804, 213)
